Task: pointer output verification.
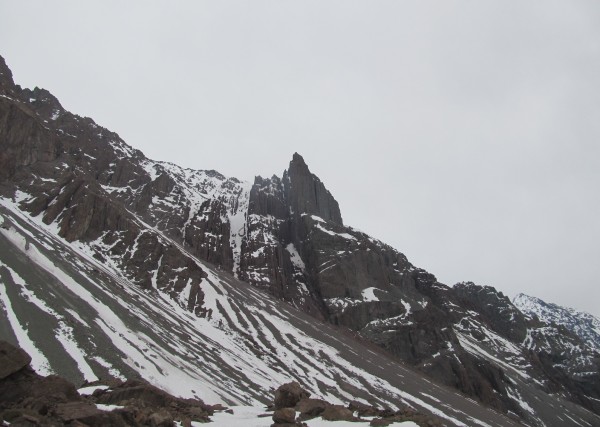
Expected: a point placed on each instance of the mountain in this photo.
(584, 325)
(117, 265)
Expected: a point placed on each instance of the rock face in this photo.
(88, 182)
(284, 235)
(306, 193)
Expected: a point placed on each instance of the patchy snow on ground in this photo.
(89, 390)
(250, 416)
(319, 422)
(108, 408)
(39, 362)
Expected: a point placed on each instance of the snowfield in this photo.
(249, 416)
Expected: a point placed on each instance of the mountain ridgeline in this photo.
(149, 220)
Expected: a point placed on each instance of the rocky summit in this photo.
(113, 265)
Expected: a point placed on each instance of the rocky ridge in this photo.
(284, 235)
(584, 325)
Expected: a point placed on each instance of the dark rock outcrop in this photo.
(288, 395)
(27, 398)
(310, 408)
(497, 309)
(12, 359)
(337, 413)
(306, 194)
(24, 394)
(284, 416)
(152, 404)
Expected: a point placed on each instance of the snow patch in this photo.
(64, 333)
(108, 408)
(295, 257)
(38, 360)
(89, 390)
(331, 233)
(368, 294)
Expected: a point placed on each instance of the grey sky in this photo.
(464, 133)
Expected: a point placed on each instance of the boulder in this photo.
(55, 388)
(419, 419)
(25, 421)
(18, 416)
(337, 413)
(161, 418)
(363, 409)
(310, 408)
(154, 405)
(135, 390)
(76, 411)
(284, 416)
(87, 414)
(20, 385)
(288, 395)
(12, 359)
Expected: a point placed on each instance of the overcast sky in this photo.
(464, 133)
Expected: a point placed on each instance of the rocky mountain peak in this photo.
(44, 103)
(298, 159)
(307, 194)
(497, 309)
(584, 325)
(6, 78)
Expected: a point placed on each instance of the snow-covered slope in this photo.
(84, 320)
(584, 325)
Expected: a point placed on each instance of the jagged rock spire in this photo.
(6, 78)
(307, 194)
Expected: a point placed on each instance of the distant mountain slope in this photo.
(165, 230)
(584, 325)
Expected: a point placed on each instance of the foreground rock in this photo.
(27, 398)
(299, 400)
(13, 359)
(310, 408)
(338, 413)
(288, 395)
(286, 417)
(153, 406)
